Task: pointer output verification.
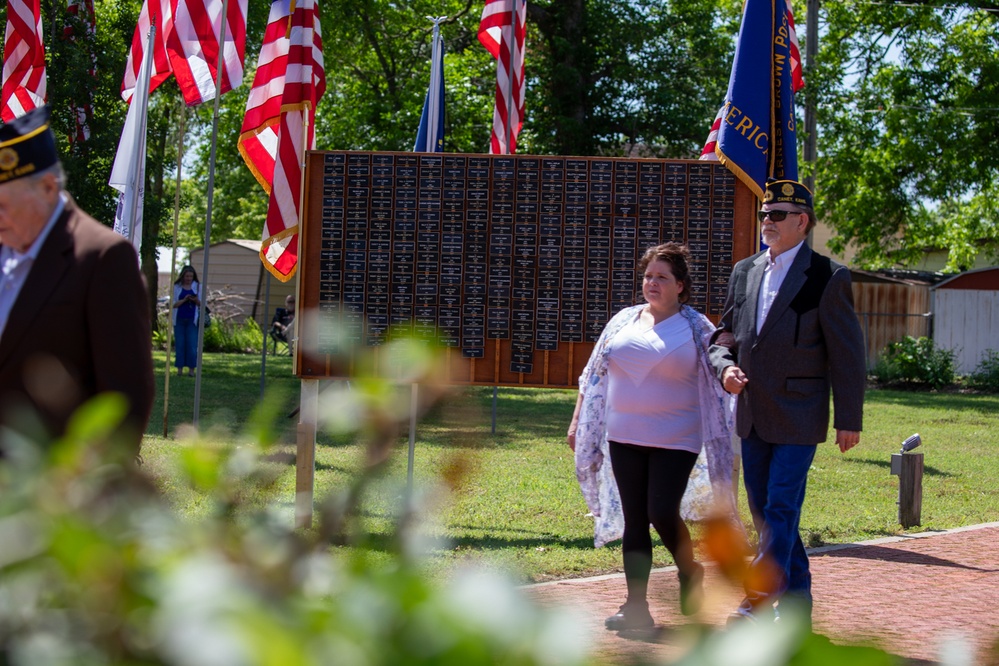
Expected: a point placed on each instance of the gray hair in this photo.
(57, 170)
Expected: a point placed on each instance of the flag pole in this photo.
(173, 265)
(509, 98)
(509, 133)
(208, 211)
(434, 109)
(139, 173)
(301, 222)
(308, 405)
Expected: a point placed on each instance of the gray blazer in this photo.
(811, 342)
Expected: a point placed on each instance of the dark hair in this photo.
(180, 275)
(677, 256)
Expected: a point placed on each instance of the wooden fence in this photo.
(889, 311)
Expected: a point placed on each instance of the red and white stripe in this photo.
(23, 86)
(193, 47)
(188, 33)
(83, 10)
(708, 152)
(160, 13)
(797, 81)
(503, 32)
(279, 124)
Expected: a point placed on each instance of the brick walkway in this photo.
(914, 596)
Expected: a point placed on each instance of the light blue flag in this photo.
(756, 138)
(430, 137)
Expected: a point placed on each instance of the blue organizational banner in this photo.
(756, 138)
(430, 136)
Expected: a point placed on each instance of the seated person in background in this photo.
(283, 326)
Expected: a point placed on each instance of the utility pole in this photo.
(809, 150)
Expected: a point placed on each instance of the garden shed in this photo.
(891, 307)
(235, 270)
(966, 316)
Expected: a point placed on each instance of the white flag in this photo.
(128, 174)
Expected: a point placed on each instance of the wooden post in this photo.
(305, 459)
(910, 489)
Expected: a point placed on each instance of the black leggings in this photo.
(651, 482)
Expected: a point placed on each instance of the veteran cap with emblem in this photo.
(27, 145)
(787, 191)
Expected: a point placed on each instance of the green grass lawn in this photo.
(510, 499)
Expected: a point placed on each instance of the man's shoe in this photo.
(692, 590)
(749, 614)
(736, 618)
(630, 616)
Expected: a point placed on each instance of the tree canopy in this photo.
(905, 92)
(908, 142)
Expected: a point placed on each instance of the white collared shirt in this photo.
(15, 266)
(773, 277)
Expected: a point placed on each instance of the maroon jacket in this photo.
(79, 327)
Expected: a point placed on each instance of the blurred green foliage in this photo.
(97, 568)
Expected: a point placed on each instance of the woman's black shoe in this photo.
(630, 616)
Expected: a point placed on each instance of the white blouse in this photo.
(652, 394)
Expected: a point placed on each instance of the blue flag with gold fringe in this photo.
(756, 137)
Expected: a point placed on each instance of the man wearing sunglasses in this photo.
(788, 334)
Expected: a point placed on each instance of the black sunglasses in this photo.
(775, 215)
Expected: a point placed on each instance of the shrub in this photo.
(223, 333)
(986, 374)
(915, 361)
(229, 337)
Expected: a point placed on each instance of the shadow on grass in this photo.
(928, 470)
(386, 542)
(925, 399)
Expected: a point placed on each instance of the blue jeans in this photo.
(775, 477)
(185, 336)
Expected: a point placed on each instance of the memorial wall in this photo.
(511, 263)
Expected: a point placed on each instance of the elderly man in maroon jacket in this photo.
(74, 321)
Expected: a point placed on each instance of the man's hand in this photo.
(725, 339)
(734, 379)
(847, 439)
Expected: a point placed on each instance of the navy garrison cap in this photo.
(27, 145)
(787, 191)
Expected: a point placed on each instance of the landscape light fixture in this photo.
(911, 442)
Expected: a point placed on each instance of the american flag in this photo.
(708, 152)
(188, 33)
(289, 82)
(193, 46)
(796, 76)
(83, 10)
(23, 87)
(504, 38)
(160, 13)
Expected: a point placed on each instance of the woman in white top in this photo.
(650, 420)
